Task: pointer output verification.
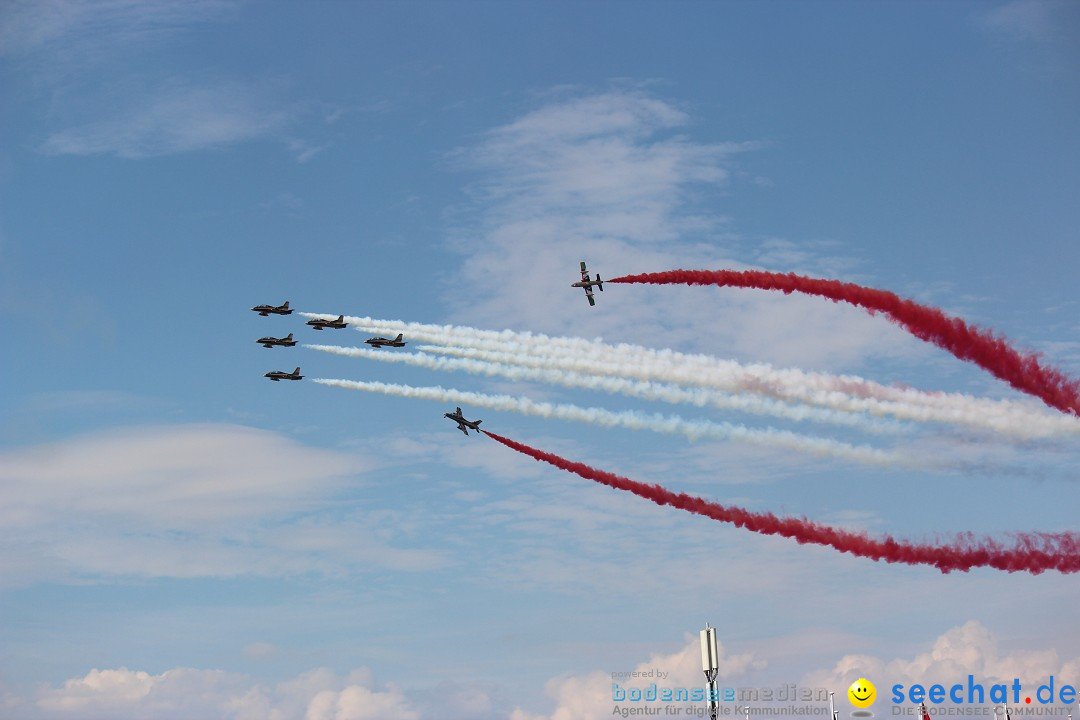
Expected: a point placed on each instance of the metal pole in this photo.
(710, 664)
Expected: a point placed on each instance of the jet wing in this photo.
(586, 284)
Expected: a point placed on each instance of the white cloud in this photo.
(589, 696)
(65, 47)
(1029, 20)
(186, 693)
(606, 178)
(322, 694)
(189, 501)
(970, 649)
(176, 118)
(101, 688)
(179, 477)
(76, 27)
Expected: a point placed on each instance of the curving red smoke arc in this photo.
(1022, 370)
(1032, 552)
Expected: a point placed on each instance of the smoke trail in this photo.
(549, 370)
(843, 393)
(1032, 552)
(989, 351)
(671, 424)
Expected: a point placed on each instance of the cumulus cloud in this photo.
(318, 694)
(969, 649)
(589, 696)
(322, 694)
(184, 693)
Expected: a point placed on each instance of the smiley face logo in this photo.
(862, 693)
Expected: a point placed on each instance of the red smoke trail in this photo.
(991, 352)
(1032, 552)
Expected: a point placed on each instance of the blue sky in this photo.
(181, 537)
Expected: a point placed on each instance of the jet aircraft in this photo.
(286, 341)
(383, 342)
(587, 284)
(320, 323)
(276, 375)
(265, 310)
(462, 423)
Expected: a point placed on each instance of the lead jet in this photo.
(265, 310)
(588, 284)
(286, 341)
(276, 375)
(383, 342)
(462, 423)
(320, 323)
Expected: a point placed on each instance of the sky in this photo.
(180, 537)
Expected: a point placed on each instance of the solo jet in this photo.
(276, 375)
(286, 341)
(588, 284)
(383, 342)
(320, 323)
(462, 423)
(265, 310)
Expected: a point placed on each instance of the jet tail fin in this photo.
(599, 282)
(286, 305)
(289, 336)
(340, 318)
(398, 338)
(478, 424)
(296, 371)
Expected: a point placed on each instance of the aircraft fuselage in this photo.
(268, 342)
(265, 310)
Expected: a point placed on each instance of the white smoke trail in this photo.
(849, 394)
(999, 416)
(545, 371)
(671, 424)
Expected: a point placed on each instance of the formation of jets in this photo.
(587, 284)
(318, 324)
(462, 423)
(383, 342)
